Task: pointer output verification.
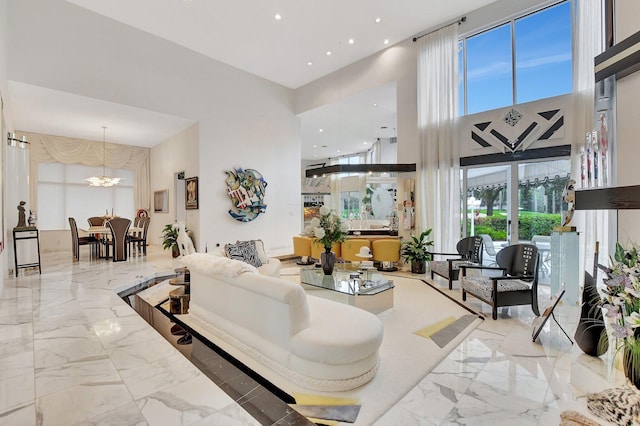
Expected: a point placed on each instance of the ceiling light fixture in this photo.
(386, 41)
(328, 53)
(351, 41)
(103, 181)
(378, 20)
(309, 63)
(278, 17)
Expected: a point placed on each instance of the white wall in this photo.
(628, 127)
(256, 130)
(179, 153)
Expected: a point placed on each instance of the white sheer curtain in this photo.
(49, 148)
(438, 172)
(588, 43)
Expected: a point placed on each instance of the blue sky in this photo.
(543, 60)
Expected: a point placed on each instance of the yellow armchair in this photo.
(387, 252)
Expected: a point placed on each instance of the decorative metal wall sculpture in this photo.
(246, 188)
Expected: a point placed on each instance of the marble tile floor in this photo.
(72, 352)
(499, 376)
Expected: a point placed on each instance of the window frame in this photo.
(463, 98)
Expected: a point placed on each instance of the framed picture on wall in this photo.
(161, 201)
(191, 193)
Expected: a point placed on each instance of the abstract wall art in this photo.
(246, 189)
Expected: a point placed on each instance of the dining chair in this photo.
(518, 284)
(139, 239)
(469, 250)
(119, 227)
(489, 249)
(77, 241)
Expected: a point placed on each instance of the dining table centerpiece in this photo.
(327, 230)
(621, 301)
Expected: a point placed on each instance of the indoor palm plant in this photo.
(415, 251)
(170, 239)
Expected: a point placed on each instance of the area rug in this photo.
(405, 357)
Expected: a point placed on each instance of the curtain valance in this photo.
(50, 148)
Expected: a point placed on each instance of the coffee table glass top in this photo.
(352, 282)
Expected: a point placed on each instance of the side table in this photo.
(24, 234)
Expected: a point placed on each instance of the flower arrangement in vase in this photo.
(327, 230)
(622, 303)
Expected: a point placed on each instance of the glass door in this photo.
(515, 202)
(540, 205)
(486, 207)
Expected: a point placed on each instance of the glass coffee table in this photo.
(365, 289)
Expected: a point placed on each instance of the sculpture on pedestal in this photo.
(21, 215)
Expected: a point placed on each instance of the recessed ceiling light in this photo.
(309, 63)
(315, 146)
(375, 105)
(320, 130)
(386, 41)
(351, 41)
(378, 20)
(338, 151)
(328, 53)
(278, 17)
(365, 142)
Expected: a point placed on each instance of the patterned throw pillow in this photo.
(245, 251)
(262, 254)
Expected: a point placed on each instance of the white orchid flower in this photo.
(633, 320)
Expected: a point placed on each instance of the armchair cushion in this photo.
(483, 286)
(441, 267)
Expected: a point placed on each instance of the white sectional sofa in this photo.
(315, 343)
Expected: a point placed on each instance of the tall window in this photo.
(63, 193)
(522, 60)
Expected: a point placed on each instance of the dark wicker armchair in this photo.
(469, 250)
(518, 284)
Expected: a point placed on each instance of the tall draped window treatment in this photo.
(49, 148)
(438, 183)
(588, 43)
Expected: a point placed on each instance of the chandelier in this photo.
(104, 181)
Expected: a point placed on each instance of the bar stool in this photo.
(387, 252)
(302, 248)
(351, 249)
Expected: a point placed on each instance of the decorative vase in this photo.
(418, 267)
(328, 261)
(591, 335)
(175, 251)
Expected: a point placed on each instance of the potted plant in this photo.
(415, 251)
(170, 239)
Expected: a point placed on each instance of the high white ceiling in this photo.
(64, 97)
